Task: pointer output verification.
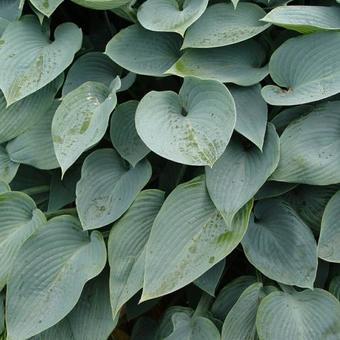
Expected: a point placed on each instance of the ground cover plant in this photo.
(169, 169)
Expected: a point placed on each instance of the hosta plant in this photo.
(170, 169)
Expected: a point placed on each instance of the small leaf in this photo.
(191, 128)
(306, 315)
(8, 168)
(46, 7)
(188, 237)
(39, 292)
(29, 61)
(35, 147)
(156, 51)
(107, 187)
(313, 160)
(123, 133)
(126, 247)
(280, 245)
(229, 64)
(240, 172)
(81, 120)
(169, 16)
(305, 76)
(305, 19)
(221, 24)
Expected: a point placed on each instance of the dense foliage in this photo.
(169, 169)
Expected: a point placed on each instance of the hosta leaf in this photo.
(329, 240)
(306, 315)
(169, 15)
(124, 135)
(309, 148)
(49, 274)
(29, 61)
(35, 147)
(196, 328)
(90, 319)
(305, 19)
(305, 68)
(334, 287)
(251, 120)
(24, 114)
(92, 66)
(240, 172)
(156, 51)
(228, 296)
(126, 247)
(108, 187)
(46, 7)
(81, 120)
(280, 245)
(20, 218)
(188, 237)
(222, 24)
(101, 4)
(8, 168)
(10, 9)
(229, 64)
(193, 127)
(240, 321)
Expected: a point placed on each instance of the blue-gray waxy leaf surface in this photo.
(193, 127)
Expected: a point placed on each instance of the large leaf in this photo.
(306, 315)
(101, 4)
(29, 61)
(126, 247)
(280, 245)
(170, 15)
(46, 7)
(8, 168)
(188, 237)
(24, 114)
(81, 120)
(305, 68)
(222, 24)
(49, 274)
(156, 51)
(309, 148)
(124, 135)
(19, 219)
(193, 127)
(240, 321)
(35, 147)
(229, 64)
(305, 19)
(251, 120)
(329, 240)
(240, 172)
(92, 66)
(108, 187)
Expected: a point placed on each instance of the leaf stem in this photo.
(36, 190)
(203, 305)
(68, 211)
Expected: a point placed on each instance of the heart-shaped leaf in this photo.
(240, 172)
(313, 160)
(193, 127)
(305, 68)
(188, 237)
(126, 247)
(156, 51)
(35, 147)
(29, 61)
(108, 187)
(124, 135)
(280, 245)
(46, 7)
(39, 291)
(170, 15)
(8, 168)
(81, 120)
(229, 64)
(306, 315)
(221, 24)
(305, 19)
